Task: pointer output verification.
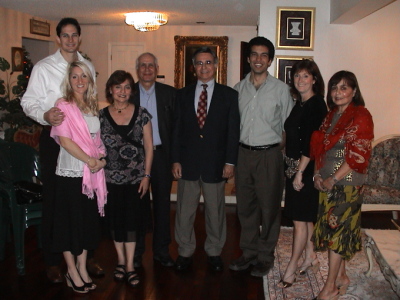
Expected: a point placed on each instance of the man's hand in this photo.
(54, 116)
(177, 170)
(228, 171)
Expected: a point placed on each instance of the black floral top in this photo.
(124, 145)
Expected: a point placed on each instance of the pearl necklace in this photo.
(120, 109)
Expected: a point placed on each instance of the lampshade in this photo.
(146, 21)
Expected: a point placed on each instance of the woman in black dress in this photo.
(127, 134)
(301, 198)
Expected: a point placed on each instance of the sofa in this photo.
(381, 191)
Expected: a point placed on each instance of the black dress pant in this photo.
(161, 182)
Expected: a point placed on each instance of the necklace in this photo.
(302, 103)
(120, 109)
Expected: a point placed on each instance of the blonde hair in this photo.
(89, 103)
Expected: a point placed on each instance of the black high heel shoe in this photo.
(286, 284)
(79, 289)
(89, 285)
(314, 266)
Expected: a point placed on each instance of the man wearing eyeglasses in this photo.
(204, 153)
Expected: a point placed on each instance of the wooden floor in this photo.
(157, 282)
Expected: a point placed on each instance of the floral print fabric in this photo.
(339, 221)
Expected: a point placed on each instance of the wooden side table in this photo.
(384, 245)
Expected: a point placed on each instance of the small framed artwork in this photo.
(39, 27)
(185, 46)
(295, 28)
(17, 59)
(284, 66)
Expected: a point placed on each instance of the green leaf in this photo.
(4, 65)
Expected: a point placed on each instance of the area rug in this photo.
(309, 285)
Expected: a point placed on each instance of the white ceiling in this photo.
(111, 12)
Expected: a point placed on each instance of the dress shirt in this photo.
(263, 112)
(148, 101)
(44, 87)
(199, 89)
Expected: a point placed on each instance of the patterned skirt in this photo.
(338, 226)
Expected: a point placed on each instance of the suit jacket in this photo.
(165, 98)
(204, 152)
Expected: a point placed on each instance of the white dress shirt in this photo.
(44, 87)
(199, 89)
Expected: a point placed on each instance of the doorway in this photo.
(123, 57)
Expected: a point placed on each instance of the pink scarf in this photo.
(75, 128)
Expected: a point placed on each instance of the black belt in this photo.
(158, 147)
(258, 148)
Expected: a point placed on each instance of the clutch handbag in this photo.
(293, 166)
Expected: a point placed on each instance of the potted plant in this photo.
(12, 117)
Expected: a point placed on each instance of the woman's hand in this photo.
(144, 186)
(318, 183)
(297, 181)
(99, 164)
(328, 183)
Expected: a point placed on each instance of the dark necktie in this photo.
(202, 107)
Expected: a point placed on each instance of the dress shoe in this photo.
(242, 263)
(78, 289)
(164, 260)
(261, 269)
(89, 285)
(216, 263)
(94, 268)
(314, 266)
(137, 261)
(54, 274)
(286, 284)
(183, 263)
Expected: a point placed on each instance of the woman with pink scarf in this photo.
(81, 189)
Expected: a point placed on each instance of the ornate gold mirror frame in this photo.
(185, 46)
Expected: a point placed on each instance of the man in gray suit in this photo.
(159, 100)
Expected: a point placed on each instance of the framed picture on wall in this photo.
(284, 66)
(39, 27)
(295, 28)
(185, 46)
(17, 59)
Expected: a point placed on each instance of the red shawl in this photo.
(356, 127)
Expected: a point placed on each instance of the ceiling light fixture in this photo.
(146, 21)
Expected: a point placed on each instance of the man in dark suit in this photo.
(204, 152)
(159, 100)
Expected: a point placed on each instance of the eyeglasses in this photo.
(202, 63)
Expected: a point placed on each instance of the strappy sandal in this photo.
(132, 279)
(120, 273)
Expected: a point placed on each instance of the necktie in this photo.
(202, 107)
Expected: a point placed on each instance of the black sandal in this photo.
(118, 274)
(132, 279)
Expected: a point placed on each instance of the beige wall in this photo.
(15, 25)
(370, 48)
(95, 41)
